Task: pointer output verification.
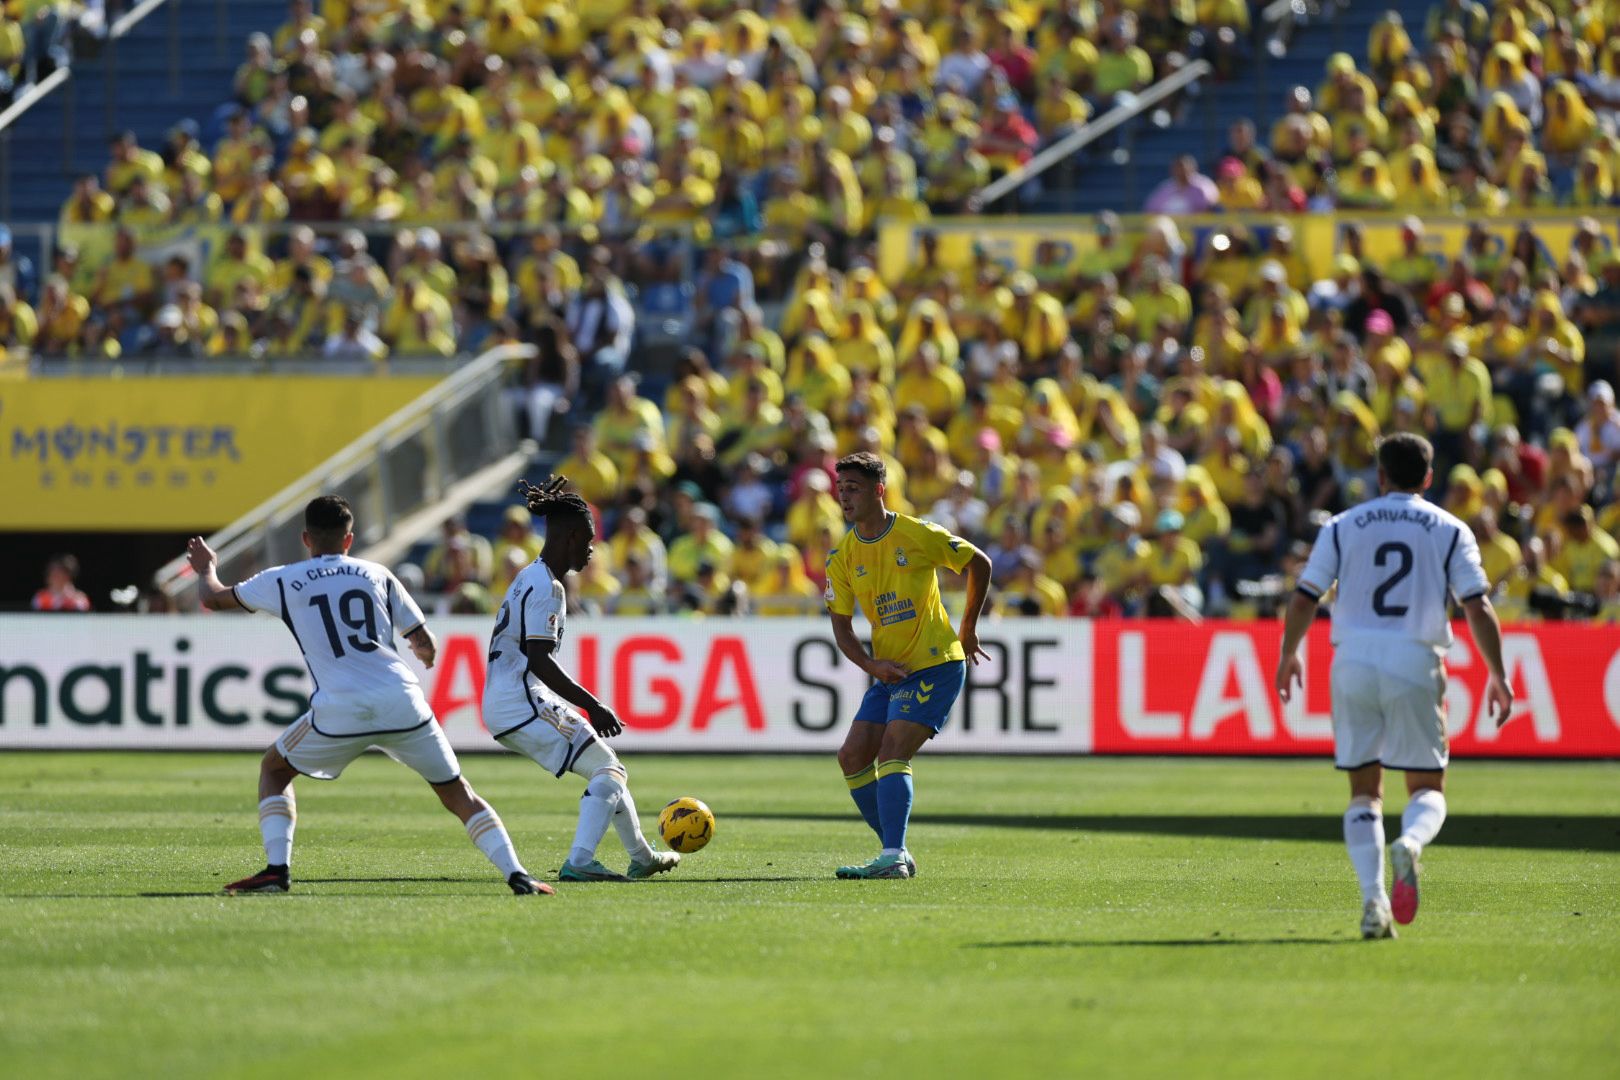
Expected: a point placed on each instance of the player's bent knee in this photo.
(595, 758)
(852, 759)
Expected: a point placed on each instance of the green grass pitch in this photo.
(1072, 917)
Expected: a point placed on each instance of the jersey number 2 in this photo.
(1403, 559)
(358, 613)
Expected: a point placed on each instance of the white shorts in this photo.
(554, 736)
(324, 757)
(1391, 714)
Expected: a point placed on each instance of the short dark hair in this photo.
(328, 518)
(65, 563)
(867, 464)
(1406, 459)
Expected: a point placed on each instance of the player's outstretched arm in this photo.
(978, 591)
(1290, 671)
(543, 664)
(214, 596)
(1487, 630)
(885, 671)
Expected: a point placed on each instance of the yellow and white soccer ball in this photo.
(686, 825)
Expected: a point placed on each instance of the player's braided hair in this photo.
(553, 500)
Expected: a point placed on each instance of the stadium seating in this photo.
(691, 193)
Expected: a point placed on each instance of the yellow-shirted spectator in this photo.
(590, 471)
(1161, 296)
(679, 200)
(128, 161)
(1365, 183)
(125, 279)
(1029, 590)
(89, 204)
(263, 203)
(1005, 388)
(862, 285)
(301, 253)
(865, 347)
(752, 553)
(784, 589)
(927, 381)
(748, 364)
(1584, 551)
(816, 375)
(1035, 320)
(1499, 553)
(1173, 560)
(1239, 191)
(1458, 388)
(704, 545)
(19, 325)
(236, 155)
(1418, 184)
(300, 17)
(61, 317)
(418, 322)
(813, 510)
(423, 265)
(691, 416)
(625, 415)
(240, 262)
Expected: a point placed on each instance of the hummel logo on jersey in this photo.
(926, 686)
(860, 571)
(900, 557)
(922, 696)
(954, 543)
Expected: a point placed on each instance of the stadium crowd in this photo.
(1158, 425)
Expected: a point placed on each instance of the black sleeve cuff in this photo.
(1307, 593)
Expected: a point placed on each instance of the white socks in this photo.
(485, 830)
(1424, 815)
(1364, 837)
(629, 828)
(607, 799)
(596, 809)
(276, 826)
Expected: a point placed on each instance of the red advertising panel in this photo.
(1168, 688)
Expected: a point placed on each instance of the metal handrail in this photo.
(35, 92)
(173, 578)
(1089, 132)
(123, 25)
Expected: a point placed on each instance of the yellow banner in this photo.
(174, 453)
(1316, 236)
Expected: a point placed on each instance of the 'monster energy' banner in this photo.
(1051, 686)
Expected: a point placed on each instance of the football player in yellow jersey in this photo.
(886, 563)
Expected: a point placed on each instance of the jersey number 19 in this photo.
(357, 612)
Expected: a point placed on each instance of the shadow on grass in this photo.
(1156, 943)
(1539, 832)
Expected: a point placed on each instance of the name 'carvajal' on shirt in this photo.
(1427, 521)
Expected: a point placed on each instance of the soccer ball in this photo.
(686, 825)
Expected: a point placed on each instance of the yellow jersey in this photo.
(892, 577)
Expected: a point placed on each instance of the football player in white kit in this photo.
(1399, 562)
(344, 614)
(527, 693)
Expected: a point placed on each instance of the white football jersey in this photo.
(1399, 560)
(533, 610)
(345, 614)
